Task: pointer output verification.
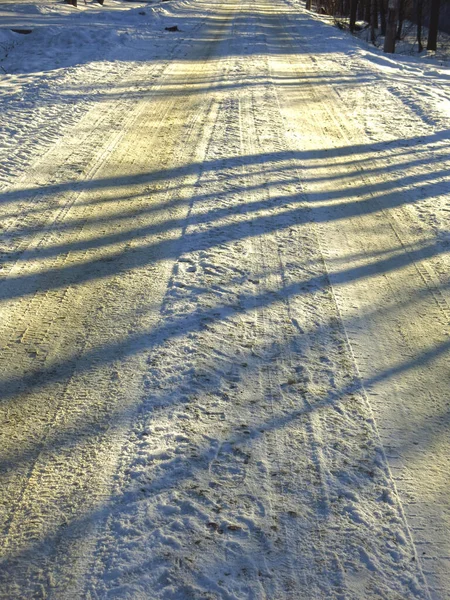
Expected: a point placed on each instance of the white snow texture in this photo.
(224, 307)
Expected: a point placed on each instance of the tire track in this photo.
(81, 416)
(387, 304)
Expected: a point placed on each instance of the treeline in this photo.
(388, 17)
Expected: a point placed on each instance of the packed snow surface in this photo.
(224, 307)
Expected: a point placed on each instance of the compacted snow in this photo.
(224, 307)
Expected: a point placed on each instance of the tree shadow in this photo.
(290, 209)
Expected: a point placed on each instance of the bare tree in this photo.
(391, 26)
(353, 8)
(401, 18)
(383, 17)
(419, 23)
(434, 23)
(373, 21)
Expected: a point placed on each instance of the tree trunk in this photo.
(373, 21)
(383, 17)
(434, 22)
(391, 26)
(353, 8)
(367, 4)
(401, 18)
(360, 10)
(419, 24)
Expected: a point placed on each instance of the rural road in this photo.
(225, 331)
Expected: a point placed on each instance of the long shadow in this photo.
(185, 467)
(275, 161)
(120, 261)
(274, 164)
(432, 182)
(87, 425)
(149, 339)
(193, 87)
(407, 146)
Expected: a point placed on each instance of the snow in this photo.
(225, 307)
(50, 77)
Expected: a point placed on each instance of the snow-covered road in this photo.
(224, 310)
